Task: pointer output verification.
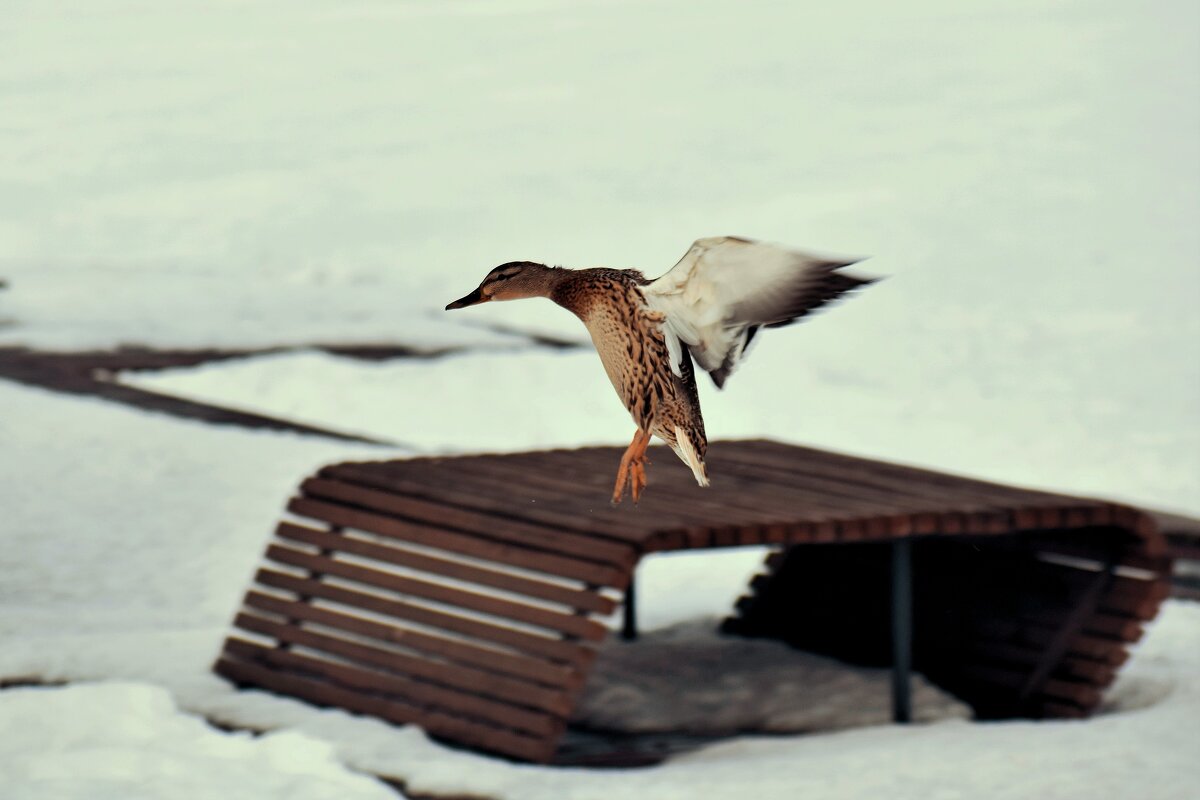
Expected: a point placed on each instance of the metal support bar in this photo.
(629, 612)
(902, 630)
(1085, 605)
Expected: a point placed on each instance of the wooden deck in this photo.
(462, 594)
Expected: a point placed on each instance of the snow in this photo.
(1058, 434)
(65, 307)
(136, 577)
(135, 580)
(229, 174)
(127, 740)
(263, 173)
(1027, 178)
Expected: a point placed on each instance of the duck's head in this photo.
(511, 281)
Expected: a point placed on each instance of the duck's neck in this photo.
(565, 288)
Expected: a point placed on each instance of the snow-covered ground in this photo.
(1058, 433)
(248, 174)
(128, 740)
(1026, 175)
(127, 542)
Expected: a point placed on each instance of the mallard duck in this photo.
(707, 308)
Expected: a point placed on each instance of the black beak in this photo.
(473, 298)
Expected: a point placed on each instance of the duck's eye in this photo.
(504, 274)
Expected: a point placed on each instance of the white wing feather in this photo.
(725, 288)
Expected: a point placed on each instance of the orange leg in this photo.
(632, 470)
(637, 469)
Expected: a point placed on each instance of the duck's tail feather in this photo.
(686, 450)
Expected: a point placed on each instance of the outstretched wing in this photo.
(725, 288)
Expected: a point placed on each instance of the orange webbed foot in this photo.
(637, 478)
(632, 471)
(622, 479)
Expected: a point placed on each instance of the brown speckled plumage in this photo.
(708, 307)
(629, 338)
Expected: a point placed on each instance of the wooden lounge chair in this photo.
(463, 594)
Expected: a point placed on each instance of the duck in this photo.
(651, 334)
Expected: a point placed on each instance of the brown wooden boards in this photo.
(465, 595)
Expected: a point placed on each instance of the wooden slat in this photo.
(558, 650)
(452, 518)
(1096, 672)
(470, 733)
(534, 560)
(1081, 693)
(563, 480)
(570, 624)
(419, 694)
(425, 645)
(1141, 603)
(1070, 624)
(1121, 628)
(1050, 592)
(670, 504)
(1185, 592)
(1184, 547)
(1130, 598)
(1060, 710)
(856, 488)
(574, 598)
(470, 653)
(1086, 645)
(734, 502)
(1095, 543)
(555, 500)
(1086, 694)
(864, 497)
(797, 455)
(454, 676)
(415, 482)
